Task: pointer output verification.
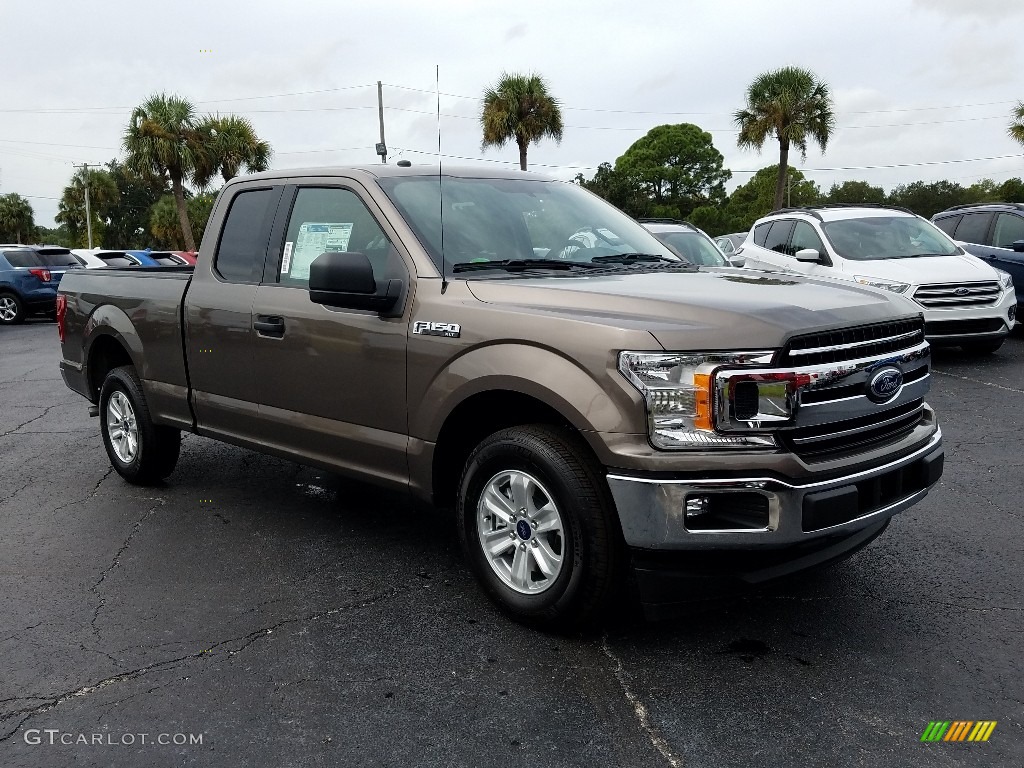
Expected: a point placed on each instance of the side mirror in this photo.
(736, 260)
(1018, 246)
(346, 280)
(807, 254)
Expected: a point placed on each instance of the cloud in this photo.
(998, 9)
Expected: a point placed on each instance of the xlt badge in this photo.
(426, 328)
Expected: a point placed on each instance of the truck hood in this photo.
(959, 268)
(710, 309)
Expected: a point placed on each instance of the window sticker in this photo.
(316, 238)
(286, 257)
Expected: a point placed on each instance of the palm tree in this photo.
(1017, 126)
(103, 195)
(791, 105)
(163, 136)
(519, 107)
(230, 142)
(16, 219)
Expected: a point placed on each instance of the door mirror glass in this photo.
(807, 254)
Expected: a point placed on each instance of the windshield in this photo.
(694, 247)
(887, 237)
(500, 220)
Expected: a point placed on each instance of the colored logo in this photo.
(958, 730)
(523, 529)
(884, 384)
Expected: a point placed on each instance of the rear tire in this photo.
(983, 347)
(141, 452)
(12, 310)
(539, 528)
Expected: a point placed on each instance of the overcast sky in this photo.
(914, 81)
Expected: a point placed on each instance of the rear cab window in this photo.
(243, 240)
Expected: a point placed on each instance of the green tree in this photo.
(17, 222)
(756, 198)
(164, 226)
(791, 105)
(927, 199)
(103, 195)
(128, 216)
(163, 138)
(58, 236)
(618, 189)
(520, 108)
(983, 191)
(677, 167)
(1016, 128)
(1012, 190)
(229, 143)
(854, 192)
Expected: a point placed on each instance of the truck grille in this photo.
(853, 343)
(949, 295)
(827, 440)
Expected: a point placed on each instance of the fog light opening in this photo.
(726, 512)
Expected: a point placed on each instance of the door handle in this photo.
(269, 325)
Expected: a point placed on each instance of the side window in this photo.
(331, 219)
(948, 224)
(804, 237)
(243, 245)
(778, 235)
(761, 232)
(1009, 228)
(973, 228)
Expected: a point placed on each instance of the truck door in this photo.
(331, 382)
(218, 315)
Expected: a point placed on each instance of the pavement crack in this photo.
(52, 702)
(642, 716)
(46, 410)
(116, 561)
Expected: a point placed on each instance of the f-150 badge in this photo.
(425, 328)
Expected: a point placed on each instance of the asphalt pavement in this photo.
(251, 612)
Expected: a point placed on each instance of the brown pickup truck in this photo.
(592, 406)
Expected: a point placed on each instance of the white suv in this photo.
(965, 302)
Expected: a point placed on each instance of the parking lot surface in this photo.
(282, 616)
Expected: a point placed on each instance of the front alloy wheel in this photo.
(521, 531)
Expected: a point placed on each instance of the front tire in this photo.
(539, 528)
(141, 452)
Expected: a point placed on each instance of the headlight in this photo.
(876, 283)
(678, 391)
(1005, 280)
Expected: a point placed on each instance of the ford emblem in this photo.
(961, 291)
(884, 384)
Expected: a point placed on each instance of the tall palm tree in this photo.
(1017, 126)
(230, 142)
(16, 219)
(519, 107)
(163, 136)
(103, 195)
(790, 104)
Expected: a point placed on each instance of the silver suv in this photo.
(689, 243)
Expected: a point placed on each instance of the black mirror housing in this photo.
(1018, 246)
(345, 280)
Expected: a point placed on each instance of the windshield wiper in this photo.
(518, 265)
(630, 258)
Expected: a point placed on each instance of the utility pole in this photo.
(382, 147)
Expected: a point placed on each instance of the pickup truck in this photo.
(604, 418)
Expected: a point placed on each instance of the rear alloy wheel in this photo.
(141, 452)
(11, 309)
(539, 527)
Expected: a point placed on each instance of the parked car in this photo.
(965, 302)
(145, 258)
(994, 232)
(98, 258)
(188, 256)
(730, 243)
(29, 276)
(603, 407)
(687, 241)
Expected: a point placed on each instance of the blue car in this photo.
(144, 257)
(29, 276)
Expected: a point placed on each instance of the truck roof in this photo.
(389, 170)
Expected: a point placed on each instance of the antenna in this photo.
(440, 187)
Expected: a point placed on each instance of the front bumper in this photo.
(952, 327)
(772, 512)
